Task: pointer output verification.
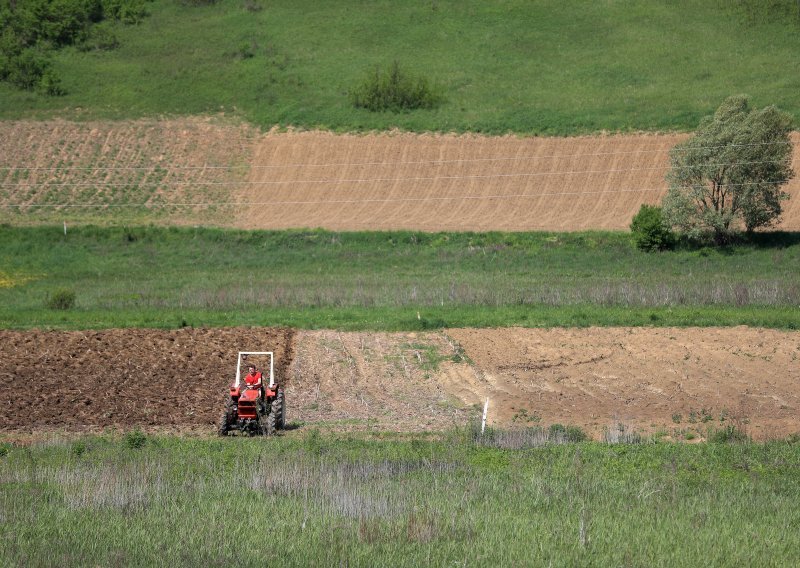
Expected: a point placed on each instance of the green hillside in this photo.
(540, 66)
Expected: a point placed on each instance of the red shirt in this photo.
(253, 380)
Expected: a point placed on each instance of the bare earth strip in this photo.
(211, 171)
(649, 379)
(646, 378)
(436, 182)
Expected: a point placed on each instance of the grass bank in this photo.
(318, 500)
(543, 67)
(171, 277)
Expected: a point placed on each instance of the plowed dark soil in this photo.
(88, 380)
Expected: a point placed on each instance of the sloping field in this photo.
(210, 172)
(461, 183)
(105, 172)
(673, 380)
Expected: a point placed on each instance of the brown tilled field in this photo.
(647, 379)
(87, 380)
(208, 171)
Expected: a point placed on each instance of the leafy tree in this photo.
(730, 173)
(650, 231)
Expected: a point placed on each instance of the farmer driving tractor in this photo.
(253, 377)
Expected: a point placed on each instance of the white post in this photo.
(65, 228)
(271, 370)
(485, 410)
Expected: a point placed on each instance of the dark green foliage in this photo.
(730, 434)
(34, 28)
(569, 433)
(650, 231)
(62, 299)
(135, 439)
(394, 90)
(729, 175)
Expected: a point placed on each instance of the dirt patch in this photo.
(375, 381)
(671, 379)
(89, 380)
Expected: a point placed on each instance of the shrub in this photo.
(61, 299)
(569, 433)
(26, 69)
(135, 439)
(728, 435)
(394, 90)
(650, 231)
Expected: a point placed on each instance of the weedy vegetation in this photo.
(168, 277)
(406, 502)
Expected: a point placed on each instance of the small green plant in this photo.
(523, 416)
(61, 299)
(394, 90)
(570, 433)
(730, 434)
(5, 449)
(676, 418)
(135, 439)
(78, 448)
(650, 231)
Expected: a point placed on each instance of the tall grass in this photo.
(395, 280)
(321, 500)
(545, 67)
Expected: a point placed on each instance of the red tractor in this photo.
(253, 407)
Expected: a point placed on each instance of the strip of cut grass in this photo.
(324, 500)
(543, 67)
(167, 277)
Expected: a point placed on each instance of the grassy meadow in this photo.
(317, 500)
(171, 277)
(543, 67)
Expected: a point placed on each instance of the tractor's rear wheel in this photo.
(228, 416)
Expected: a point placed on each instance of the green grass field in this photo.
(169, 277)
(544, 67)
(318, 500)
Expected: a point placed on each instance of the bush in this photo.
(135, 439)
(650, 231)
(62, 299)
(395, 91)
(569, 433)
(728, 435)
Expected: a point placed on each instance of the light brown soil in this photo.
(474, 183)
(676, 381)
(651, 379)
(277, 180)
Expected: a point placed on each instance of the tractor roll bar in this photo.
(271, 366)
